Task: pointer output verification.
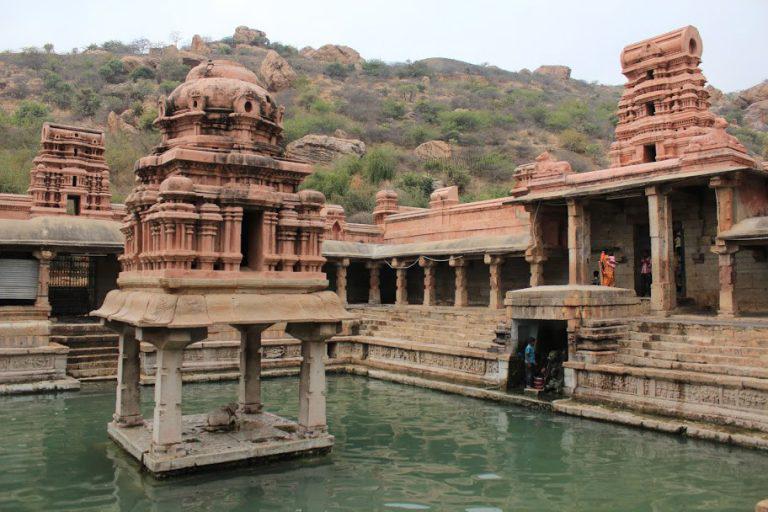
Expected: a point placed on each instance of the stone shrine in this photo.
(217, 232)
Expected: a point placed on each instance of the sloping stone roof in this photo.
(753, 228)
(62, 231)
(471, 245)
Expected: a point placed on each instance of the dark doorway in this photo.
(387, 284)
(250, 241)
(73, 205)
(649, 153)
(551, 350)
(72, 285)
(358, 283)
(678, 244)
(329, 269)
(642, 246)
(415, 285)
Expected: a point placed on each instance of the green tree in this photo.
(30, 113)
(142, 72)
(112, 71)
(338, 71)
(88, 102)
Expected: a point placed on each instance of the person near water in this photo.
(645, 275)
(608, 268)
(530, 362)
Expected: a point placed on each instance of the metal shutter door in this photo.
(18, 279)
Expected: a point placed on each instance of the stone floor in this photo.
(259, 437)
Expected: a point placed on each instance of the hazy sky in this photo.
(586, 35)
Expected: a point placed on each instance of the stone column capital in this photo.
(372, 264)
(458, 261)
(493, 259)
(425, 262)
(44, 255)
(313, 332)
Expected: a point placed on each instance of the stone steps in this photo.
(698, 357)
(693, 348)
(93, 349)
(712, 369)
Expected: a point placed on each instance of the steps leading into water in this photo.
(93, 349)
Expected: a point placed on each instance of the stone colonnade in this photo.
(459, 263)
(663, 294)
(170, 344)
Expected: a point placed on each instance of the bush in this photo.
(428, 111)
(143, 72)
(420, 133)
(171, 68)
(147, 118)
(392, 109)
(464, 120)
(30, 113)
(57, 91)
(377, 68)
(574, 141)
(303, 124)
(87, 103)
(338, 71)
(112, 71)
(380, 164)
(167, 86)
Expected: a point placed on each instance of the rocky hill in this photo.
(367, 123)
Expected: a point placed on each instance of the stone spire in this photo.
(70, 174)
(664, 103)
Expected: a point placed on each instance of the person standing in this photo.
(608, 268)
(645, 275)
(530, 362)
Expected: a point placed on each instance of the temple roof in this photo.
(62, 231)
(472, 245)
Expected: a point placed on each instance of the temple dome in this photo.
(221, 85)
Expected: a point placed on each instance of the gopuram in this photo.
(216, 231)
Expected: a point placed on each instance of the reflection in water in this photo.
(397, 448)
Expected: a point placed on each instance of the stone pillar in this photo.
(312, 418)
(401, 293)
(579, 242)
(341, 279)
(726, 261)
(459, 265)
(127, 403)
(249, 387)
(43, 277)
(374, 292)
(663, 295)
(495, 263)
(166, 422)
(726, 254)
(429, 280)
(535, 254)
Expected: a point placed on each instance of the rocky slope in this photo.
(361, 120)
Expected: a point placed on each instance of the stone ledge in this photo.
(423, 347)
(673, 375)
(50, 348)
(46, 386)
(686, 428)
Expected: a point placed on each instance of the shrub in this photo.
(112, 71)
(392, 109)
(376, 68)
(87, 103)
(167, 86)
(147, 118)
(30, 113)
(143, 72)
(574, 141)
(419, 133)
(464, 120)
(171, 68)
(428, 111)
(338, 71)
(303, 124)
(379, 164)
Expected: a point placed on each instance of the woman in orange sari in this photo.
(608, 268)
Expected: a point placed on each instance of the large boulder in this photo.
(118, 123)
(434, 150)
(276, 72)
(333, 53)
(756, 115)
(754, 94)
(324, 148)
(250, 36)
(560, 72)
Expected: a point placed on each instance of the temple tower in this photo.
(217, 232)
(664, 103)
(70, 175)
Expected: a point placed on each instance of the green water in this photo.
(397, 448)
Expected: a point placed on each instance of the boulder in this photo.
(756, 115)
(276, 72)
(561, 72)
(333, 53)
(324, 148)
(250, 36)
(754, 94)
(434, 150)
(199, 46)
(131, 62)
(117, 123)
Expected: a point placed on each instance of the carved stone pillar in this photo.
(249, 388)
(429, 280)
(459, 265)
(535, 254)
(495, 262)
(401, 282)
(341, 279)
(43, 277)
(312, 418)
(127, 404)
(374, 292)
(579, 242)
(663, 295)
(726, 253)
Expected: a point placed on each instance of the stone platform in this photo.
(257, 438)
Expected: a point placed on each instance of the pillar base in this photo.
(128, 421)
(257, 438)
